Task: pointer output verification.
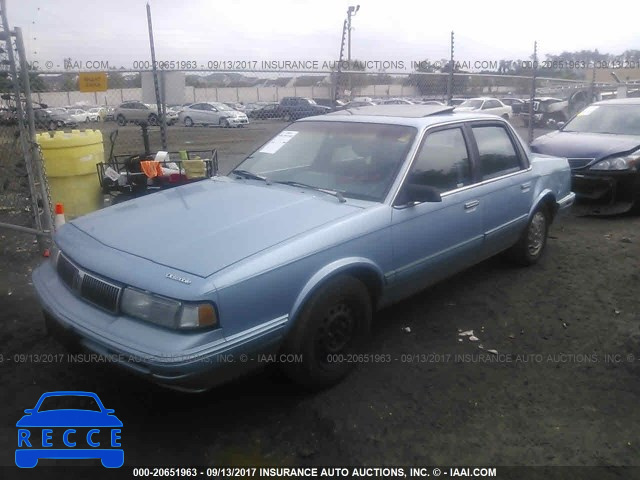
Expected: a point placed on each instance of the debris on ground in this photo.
(407, 329)
(468, 333)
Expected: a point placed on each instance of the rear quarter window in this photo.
(497, 153)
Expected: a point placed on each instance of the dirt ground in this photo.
(562, 389)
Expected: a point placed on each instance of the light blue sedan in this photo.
(289, 255)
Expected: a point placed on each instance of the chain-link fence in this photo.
(24, 199)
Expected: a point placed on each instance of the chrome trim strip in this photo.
(227, 343)
(505, 225)
(433, 255)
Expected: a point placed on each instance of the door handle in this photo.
(471, 204)
(525, 186)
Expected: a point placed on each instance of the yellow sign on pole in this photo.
(92, 82)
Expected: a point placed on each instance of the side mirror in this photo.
(421, 193)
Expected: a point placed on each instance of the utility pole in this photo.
(351, 12)
(161, 119)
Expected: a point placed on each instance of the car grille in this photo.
(92, 289)
(575, 163)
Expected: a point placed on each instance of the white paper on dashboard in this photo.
(278, 142)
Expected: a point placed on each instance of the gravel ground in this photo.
(561, 390)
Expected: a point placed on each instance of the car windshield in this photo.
(359, 160)
(221, 106)
(69, 402)
(57, 110)
(616, 119)
(472, 103)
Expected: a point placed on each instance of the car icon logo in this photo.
(69, 425)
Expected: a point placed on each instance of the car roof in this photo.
(412, 115)
(619, 101)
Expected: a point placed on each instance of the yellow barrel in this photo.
(70, 160)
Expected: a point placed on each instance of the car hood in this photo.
(209, 225)
(69, 418)
(584, 145)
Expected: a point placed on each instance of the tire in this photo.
(529, 248)
(52, 125)
(505, 116)
(121, 120)
(224, 123)
(336, 321)
(152, 120)
(288, 118)
(188, 122)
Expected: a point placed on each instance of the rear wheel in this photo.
(153, 119)
(333, 325)
(530, 247)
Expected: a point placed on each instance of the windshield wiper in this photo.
(335, 193)
(248, 174)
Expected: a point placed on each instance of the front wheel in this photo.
(121, 120)
(224, 123)
(530, 247)
(332, 327)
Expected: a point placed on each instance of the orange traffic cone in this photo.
(59, 218)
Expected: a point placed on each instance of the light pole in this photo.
(351, 12)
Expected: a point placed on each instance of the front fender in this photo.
(331, 270)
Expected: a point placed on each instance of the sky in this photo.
(257, 30)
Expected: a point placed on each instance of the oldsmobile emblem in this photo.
(178, 279)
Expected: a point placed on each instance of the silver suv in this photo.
(136, 112)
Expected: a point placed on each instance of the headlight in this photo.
(618, 163)
(167, 312)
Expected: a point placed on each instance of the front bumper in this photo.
(190, 370)
(238, 120)
(606, 193)
(565, 203)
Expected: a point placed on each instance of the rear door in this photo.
(506, 184)
(432, 240)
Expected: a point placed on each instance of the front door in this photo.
(432, 240)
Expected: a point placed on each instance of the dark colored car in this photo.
(52, 119)
(547, 111)
(602, 144)
(294, 108)
(267, 111)
(516, 104)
